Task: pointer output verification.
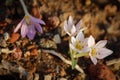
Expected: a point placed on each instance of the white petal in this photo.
(73, 30)
(67, 28)
(91, 41)
(86, 49)
(78, 25)
(101, 43)
(80, 36)
(86, 42)
(103, 52)
(94, 60)
(65, 25)
(70, 21)
(73, 40)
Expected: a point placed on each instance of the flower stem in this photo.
(24, 7)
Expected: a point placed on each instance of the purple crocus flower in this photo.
(29, 25)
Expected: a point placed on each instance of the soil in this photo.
(23, 59)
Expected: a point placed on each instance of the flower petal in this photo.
(86, 41)
(101, 43)
(19, 25)
(73, 48)
(80, 36)
(94, 60)
(73, 40)
(66, 28)
(70, 21)
(103, 52)
(73, 30)
(24, 29)
(91, 41)
(36, 20)
(86, 49)
(39, 28)
(31, 32)
(78, 25)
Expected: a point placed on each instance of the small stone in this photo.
(34, 52)
(24, 42)
(36, 76)
(62, 72)
(111, 9)
(57, 38)
(63, 79)
(17, 53)
(46, 43)
(100, 72)
(54, 21)
(48, 77)
(6, 36)
(27, 54)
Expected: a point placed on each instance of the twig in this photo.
(77, 67)
(114, 61)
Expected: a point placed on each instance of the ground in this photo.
(29, 61)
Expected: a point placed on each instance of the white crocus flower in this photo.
(70, 28)
(78, 44)
(98, 50)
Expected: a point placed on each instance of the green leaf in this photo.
(74, 60)
(81, 55)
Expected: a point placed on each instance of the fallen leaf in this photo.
(14, 37)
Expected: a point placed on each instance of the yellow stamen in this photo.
(79, 45)
(93, 52)
(27, 18)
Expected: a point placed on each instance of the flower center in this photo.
(94, 52)
(27, 18)
(79, 45)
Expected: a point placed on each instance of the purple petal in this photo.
(39, 28)
(31, 32)
(103, 52)
(101, 43)
(19, 25)
(24, 29)
(36, 20)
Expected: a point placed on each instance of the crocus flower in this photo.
(70, 28)
(98, 50)
(29, 25)
(78, 44)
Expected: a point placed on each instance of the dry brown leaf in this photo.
(14, 37)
